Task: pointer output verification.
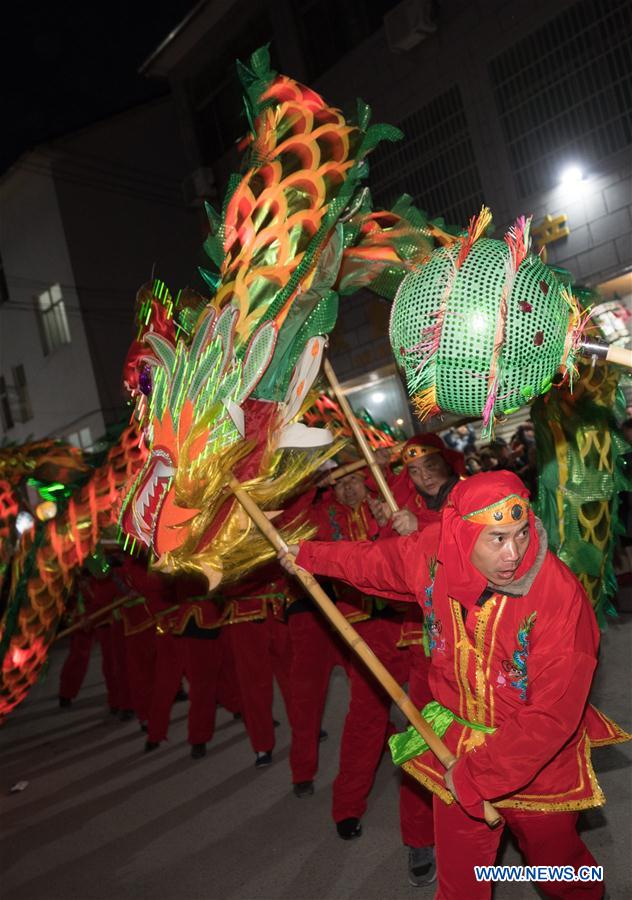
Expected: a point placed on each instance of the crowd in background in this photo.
(518, 455)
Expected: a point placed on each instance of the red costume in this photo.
(516, 661)
(314, 653)
(188, 642)
(367, 720)
(260, 646)
(94, 594)
(139, 629)
(415, 803)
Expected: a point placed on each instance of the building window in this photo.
(52, 319)
(380, 397)
(23, 408)
(5, 405)
(564, 93)
(81, 439)
(435, 162)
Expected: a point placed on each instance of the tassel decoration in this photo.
(477, 228)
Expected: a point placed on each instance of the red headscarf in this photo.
(402, 485)
(458, 535)
(454, 459)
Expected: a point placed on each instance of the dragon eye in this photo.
(144, 380)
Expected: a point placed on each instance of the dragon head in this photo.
(221, 389)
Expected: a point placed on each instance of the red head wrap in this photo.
(433, 442)
(458, 534)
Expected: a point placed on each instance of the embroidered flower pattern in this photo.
(336, 533)
(515, 669)
(433, 628)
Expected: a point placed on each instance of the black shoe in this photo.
(114, 710)
(322, 735)
(198, 751)
(180, 696)
(64, 702)
(263, 760)
(348, 829)
(303, 789)
(422, 867)
(143, 727)
(151, 745)
(237, 716)
(126, 715)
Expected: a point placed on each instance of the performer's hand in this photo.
(449, 782)
(381, 512)
(287, 559)
(405, 522)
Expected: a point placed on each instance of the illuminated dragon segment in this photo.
(225, 384)
(48, 465)
(48, 555)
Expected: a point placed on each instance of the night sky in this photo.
(64, 65)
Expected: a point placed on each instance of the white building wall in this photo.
(61, 386)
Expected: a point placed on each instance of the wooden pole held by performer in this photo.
(86, 620)
(340, 472)
(362, 442)
(353, 639)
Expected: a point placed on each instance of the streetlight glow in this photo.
(572, 175)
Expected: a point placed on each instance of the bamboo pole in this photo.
(353, 639)
(362, 442)
(106, 609)
(86, 620)
(348, 468)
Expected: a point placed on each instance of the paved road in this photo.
(99, 820)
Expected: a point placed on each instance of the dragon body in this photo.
(580, 475)
(41, 568)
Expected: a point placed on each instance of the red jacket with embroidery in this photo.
(522, 665)
(337, 522)
(408, 497)
(190, 602)
(256, 597)
(152, 593)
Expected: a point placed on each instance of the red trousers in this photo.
(76, 665)
(313, 656)
(415, 802)
(140, 655)
(117, 640)
(200, 660)
(261, 651)
(227, 686)
(366, 724)
(545, 839)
